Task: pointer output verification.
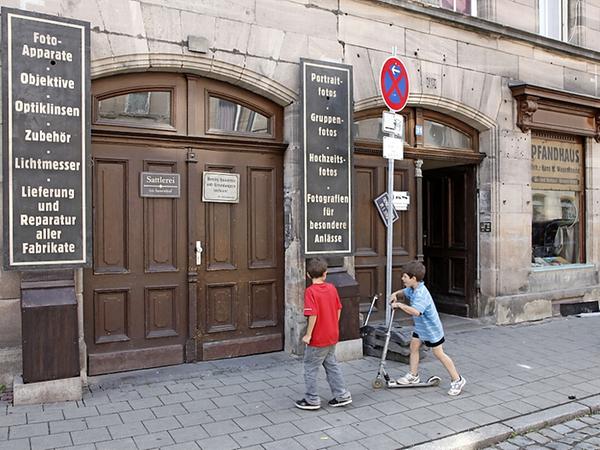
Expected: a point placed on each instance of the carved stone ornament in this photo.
(597, 126)
(418, 165)
(527, 107)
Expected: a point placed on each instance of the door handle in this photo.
(199, 251)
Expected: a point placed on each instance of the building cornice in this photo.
(480, 25)
(541, 108)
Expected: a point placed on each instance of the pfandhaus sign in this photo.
(45, 79)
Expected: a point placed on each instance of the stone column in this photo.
(419, 202)
(295, 322)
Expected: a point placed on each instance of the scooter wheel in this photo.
(434, 380)
(377, 383)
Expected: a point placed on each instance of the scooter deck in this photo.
(431, 381)
(393, 384)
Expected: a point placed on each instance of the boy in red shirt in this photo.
(323, 307)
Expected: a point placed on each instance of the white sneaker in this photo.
(409, 378)
(457, 386)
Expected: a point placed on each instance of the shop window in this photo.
(461, 6)
(147, 108)
(438, 135)
(231, 117)
(553, 19)
(557, 181)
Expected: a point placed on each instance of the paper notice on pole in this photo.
(401, 200)
(393, 148)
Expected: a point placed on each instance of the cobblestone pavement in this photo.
(248, 402)
(581, 433)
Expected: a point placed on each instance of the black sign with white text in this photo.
(160, 185)
(46, 141)
(327, 167)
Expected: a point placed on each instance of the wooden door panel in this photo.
(366, 225)
(449, 245)
(111, 317)
(221, 299)
(162, 314)
(263, 304)
(111, 235)
(435, 217)
(135, 296)
(457, 185)
(160, 235)
(370, 257)
(458, 276)
(240, 285)
(219, 237)
(404, 230)
(261, 202)
(160, 230)
(368, 283)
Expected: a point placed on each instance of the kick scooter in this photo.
(383, 378)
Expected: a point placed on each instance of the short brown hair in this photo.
(414, 269)
(316, 267)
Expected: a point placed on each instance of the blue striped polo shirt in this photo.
(428, 325)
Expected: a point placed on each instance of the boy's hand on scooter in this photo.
(306, 339)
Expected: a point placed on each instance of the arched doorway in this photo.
(440, 225)
(188, 258)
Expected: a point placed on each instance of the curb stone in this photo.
(491, 434)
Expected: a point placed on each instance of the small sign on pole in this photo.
(401, 200)
(392, 123)
(393, 148)
(382, 203)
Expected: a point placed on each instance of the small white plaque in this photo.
(221, 187)
(393, 147)
(401, 200)
(392, 123)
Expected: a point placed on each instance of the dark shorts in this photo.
(430, 344)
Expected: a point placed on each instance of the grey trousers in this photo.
(314, 357)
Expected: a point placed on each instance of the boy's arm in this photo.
(407, 309)
(312, 320)
(397, 296)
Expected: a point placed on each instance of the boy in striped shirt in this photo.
(416, 301)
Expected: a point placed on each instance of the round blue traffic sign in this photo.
(394, 83)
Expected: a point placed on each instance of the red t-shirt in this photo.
(322, 300)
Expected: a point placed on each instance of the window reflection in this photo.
(368, 129)
(141, 108)
(371, 129)
(442, 136)
(555, 228)
(461, 6)
(233, 117)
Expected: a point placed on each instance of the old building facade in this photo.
(502, 164)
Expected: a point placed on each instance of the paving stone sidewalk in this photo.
(248, 402)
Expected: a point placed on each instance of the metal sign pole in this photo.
(390, 240)
(394, 85)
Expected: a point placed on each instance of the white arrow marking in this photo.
(395, 70)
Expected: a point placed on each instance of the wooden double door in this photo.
(449, 238)
(448, 231)
(182, 279)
